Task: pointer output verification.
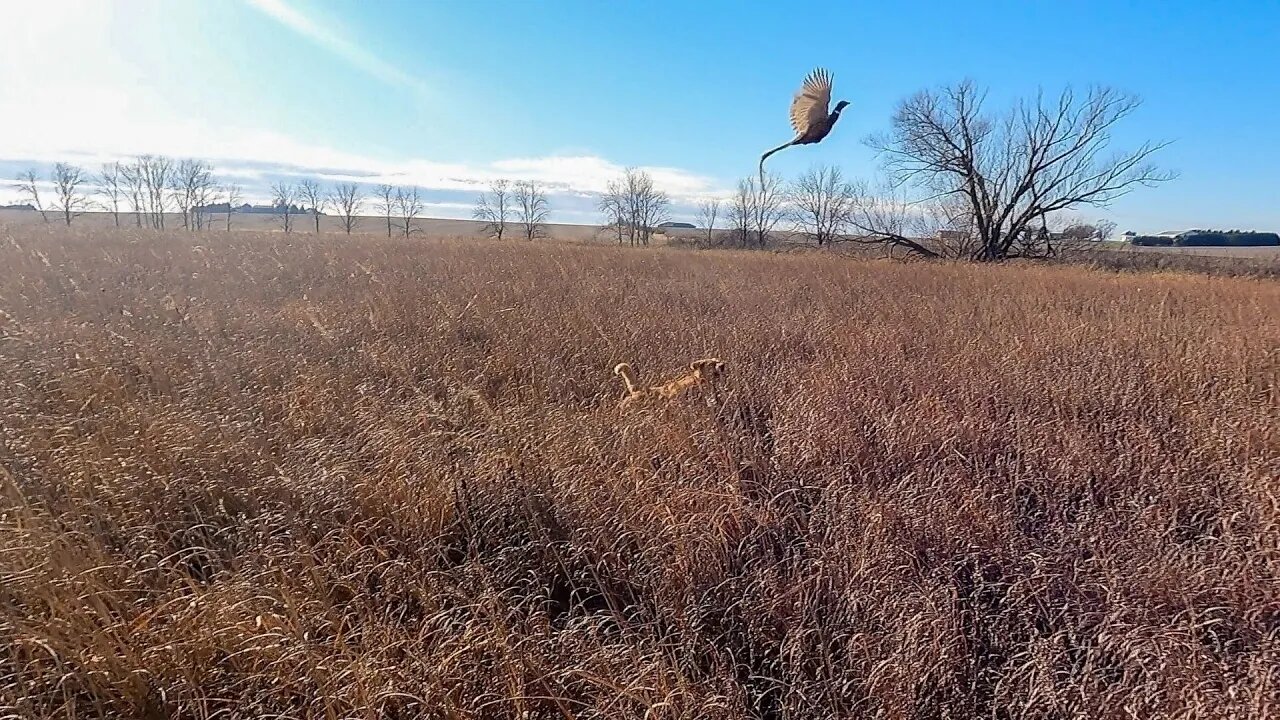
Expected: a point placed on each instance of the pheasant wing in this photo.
(809, 107)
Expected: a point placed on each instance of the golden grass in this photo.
(250, 476)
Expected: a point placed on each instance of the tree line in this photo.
(151, 188)
(148, 187)
(955, 180)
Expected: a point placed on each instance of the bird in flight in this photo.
(809, 116)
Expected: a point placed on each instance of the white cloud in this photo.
(290, 17)
(254, 158)
(251, 154)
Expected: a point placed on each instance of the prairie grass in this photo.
(250, 476)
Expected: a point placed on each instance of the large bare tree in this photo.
(708, 210)
(409, 205)
(494, 208)
(1012, 169)
(29, 187)
(347, 199)
(313, 197)
(387, 203)
(822, 204)
(70, 197)
(531, 208)
(111, 185)
(284, 198)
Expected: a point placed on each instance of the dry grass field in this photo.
(251, 476)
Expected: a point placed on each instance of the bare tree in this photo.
(347, 198)
(310, 194)
(1013, 169)
(234, 197)
(643, 205)
(707, 212)
(154, 172)
(613, 205)
(822, 204)
(191, 184)
(386, 203)
(755, 211)
(494, 208)
(741, 210)
(134, 189)
(409, 206)
(111, 186)
(29, 186)
(283, 199)
(70, 197)
(531, 208)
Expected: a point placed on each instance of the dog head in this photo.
(707, 367)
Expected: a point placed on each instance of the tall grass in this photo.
(252, 476)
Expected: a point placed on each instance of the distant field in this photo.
(427, 227)
(244, 475)
(1233, 252)
(441, 228)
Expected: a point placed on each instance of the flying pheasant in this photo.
(809, 116)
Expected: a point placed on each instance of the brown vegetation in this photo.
(1231, 262)
(246, 475)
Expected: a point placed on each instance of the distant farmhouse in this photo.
(24, 206)
(678, 225)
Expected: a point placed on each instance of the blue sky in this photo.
(448, 95)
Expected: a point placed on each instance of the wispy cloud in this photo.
(290, 17)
